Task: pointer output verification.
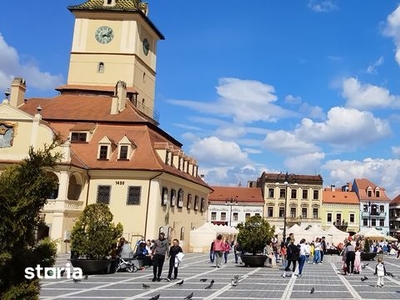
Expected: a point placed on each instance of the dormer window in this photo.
(124, 149)
(167, 157)
(369, 191)
(377, 192)
(109, 2)
(104, 149)
(77, 137)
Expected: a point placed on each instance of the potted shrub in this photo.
(93, 237)
(252, 238)
(367, 254)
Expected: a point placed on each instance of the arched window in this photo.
(100, 68)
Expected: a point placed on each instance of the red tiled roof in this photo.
(91, 88)
(340, 197)
(362, 184)
(395, 201)
(298, 178)
(241, 194)
(80, 108)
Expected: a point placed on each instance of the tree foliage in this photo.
(94, 233)
(24, 188)
(254, 234)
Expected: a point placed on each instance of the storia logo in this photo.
(53, 272)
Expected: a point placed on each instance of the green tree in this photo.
(24, 188)
(94, 233)
(254, 234)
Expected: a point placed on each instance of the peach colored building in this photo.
(114, 150)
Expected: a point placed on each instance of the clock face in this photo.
(146, 46)
(104, 34)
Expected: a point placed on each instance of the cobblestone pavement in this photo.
(254, 283)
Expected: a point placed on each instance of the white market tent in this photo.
(201, 238)
(337, 235)
(371, 233)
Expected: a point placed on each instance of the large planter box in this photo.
(368, 255)
(250, 260)
(93, 266)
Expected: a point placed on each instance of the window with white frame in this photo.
(124, 148)
(223, 216)
(352, 218)
(235, 216)
(104, 149)
(329, 217)
(213, 216)
(270, 211)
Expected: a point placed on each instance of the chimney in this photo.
(121, 93)
(332, 187)
(18, 88)
(114, 105)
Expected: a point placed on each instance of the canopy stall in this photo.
(201, 238)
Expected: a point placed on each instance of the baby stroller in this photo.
(126, 264)
(125, 260)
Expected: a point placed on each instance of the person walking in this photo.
(219, 249)
(160, 249)
(292, 256)
(227, 249)
(357, 261)
(175, 257)
(302, 256)
(323, 249)
(212, 254)
(350, 254)
(317, 251)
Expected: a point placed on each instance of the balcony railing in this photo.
(63, 205)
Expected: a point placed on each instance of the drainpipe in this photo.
(88, 187)
(148, 203)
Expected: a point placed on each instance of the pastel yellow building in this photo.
(341, 209)
(114, 150)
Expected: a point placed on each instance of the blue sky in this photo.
(300, 86)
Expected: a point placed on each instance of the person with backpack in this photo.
(292, 256)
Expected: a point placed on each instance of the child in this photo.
(357, 261)
(380, 271)
(175, 257)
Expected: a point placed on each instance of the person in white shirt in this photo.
(302, 256)
(380, 271)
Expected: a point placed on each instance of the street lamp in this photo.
(231, 201)
(288, 178)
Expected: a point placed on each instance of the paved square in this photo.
(254, 283)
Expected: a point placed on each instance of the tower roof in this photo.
(132, 6)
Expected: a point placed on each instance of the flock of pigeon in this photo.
(234, 282)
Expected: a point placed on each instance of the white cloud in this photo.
(372, 68)
(382, 172)
(392, 30)
(212, 151)
(287, 143)
(396, 150)
(367, 96)
(293, 99)
(344, 128)
(322, 5)
(245, 101)
(313, 112)
(10, 67)
(306, 163)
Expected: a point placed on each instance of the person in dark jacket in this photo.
(160, 249)
(173, 259)
(292, 256)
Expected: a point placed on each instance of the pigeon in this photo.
(156, 297)
(389, 274)
(145, 286)
(312, 290)
(364, 278)
(284, 274)
(86, 277)
(364, 266)
(188, 297)
(76, 280)
(236, 277)
(234, 282)
(180, 282)
(203, 279)
(62, 273)
(210, 285)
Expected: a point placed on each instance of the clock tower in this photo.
(114, 40)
